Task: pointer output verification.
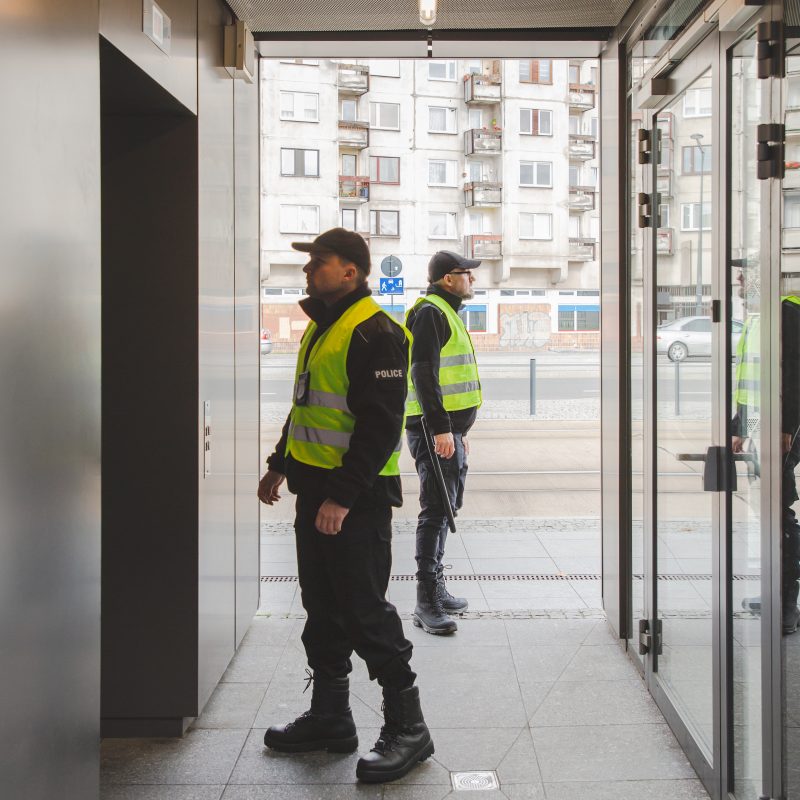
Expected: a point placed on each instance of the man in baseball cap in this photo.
(348, 245)
(446, 391)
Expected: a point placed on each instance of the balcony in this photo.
(581, 198)
(581, 248)
(664, 242)
(485, 246)
(482, 89)
(353, 79)
(354, 134)
(581, 96)
(581, 147)
(483, 141)
(487, 194)
(354, 187)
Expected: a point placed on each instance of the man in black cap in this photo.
(446, 391)
(339, 452)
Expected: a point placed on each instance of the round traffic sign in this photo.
(391, 266)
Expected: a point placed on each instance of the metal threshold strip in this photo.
(541, 576)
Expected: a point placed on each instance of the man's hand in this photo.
(786, 442)
(737, 444)
(268, 487)
(444, 445)
(330, 517)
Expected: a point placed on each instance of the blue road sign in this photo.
(391, 285)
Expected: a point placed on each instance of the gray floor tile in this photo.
(254, 663)
(522, 632)
(514, 566)
(602, 634)
(269, 630)
(345, 792)
(519, 791)
(481, 632)
(609, 753)
(232, 705)
(504, 548)
(492, 590)
(161, 792)
(574, 603)
(280, 568)
(395, 792)
(462, 749)
(430, 773)
(201, 757)
(601, 662)
(464, 660)
(519, 765)
(533, 695)
(627, 790)
(542, 663)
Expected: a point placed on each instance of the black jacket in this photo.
(377, 368)
(431, 332)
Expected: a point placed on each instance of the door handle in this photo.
(719, 472)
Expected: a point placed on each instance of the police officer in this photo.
(444, 387)
(339, 452)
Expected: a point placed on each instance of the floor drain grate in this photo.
(474, 781)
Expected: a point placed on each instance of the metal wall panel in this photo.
(247, 279)
(217, 584)
(50, 401)
(121, 24)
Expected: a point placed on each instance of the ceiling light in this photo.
(427, 12)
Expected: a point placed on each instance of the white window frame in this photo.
(349, 211)
(374, 222)
(535, 165)
(294, 151)
(302, 62)
(290, 116)
(375, 116)
(449, 70)
(693, 109)
(539, 112)
(375, 174)
(450, 171)
(691, 224)
(287, 226)
(451, 120)
(534, 216)
(450, 224)
(346, 103)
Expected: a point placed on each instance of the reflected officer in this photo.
(445, 389)
(339, 452)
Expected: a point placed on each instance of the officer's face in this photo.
(459, 282)
(328, 277)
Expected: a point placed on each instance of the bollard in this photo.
(677, 388)
(533, 387)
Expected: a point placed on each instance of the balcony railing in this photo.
(482, 141)
(664, 241)
(354, 187)
(353, 79)
(483, 193)
(581, 198)
(354, 134)
(486, 246)
(482, 89)
(581, 248)
(581, 95)
(581, 147)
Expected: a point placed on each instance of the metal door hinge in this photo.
(645, 146)
(645, 209)
(649, 640)
(769, 151)
(769, 49)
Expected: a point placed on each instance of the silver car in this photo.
(690, 336)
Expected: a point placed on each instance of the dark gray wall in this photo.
(50, 399)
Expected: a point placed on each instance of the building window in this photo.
(536, 121)
(697, 102)
(696, 159)
(574, 176)
(536, 173)
(299, 219)
(441, 70)
(385, 116)
(535, 226)
(579, 318)
(477, 170)
(349, 164)
(306, 62)
(442, 172)
(791, 210)
(384, 169)
(474, 318)
(384, 223)
(385, 67)
(441, 119)
(574, 73)
(349, 110)
(349, 218)
(690, 216)
(442, 224)
(299, 163)
(474, 118)
(300, 106)
(537, 70)
(663, 215)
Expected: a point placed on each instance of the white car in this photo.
(690, 336)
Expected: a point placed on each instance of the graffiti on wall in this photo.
(524, 328)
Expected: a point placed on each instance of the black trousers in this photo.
(790, 527)
(343, 582)
(432, 522)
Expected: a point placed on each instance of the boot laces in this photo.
(308, 679)
(390, 733)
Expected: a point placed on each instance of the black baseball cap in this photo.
(446, 261)
(346, 244)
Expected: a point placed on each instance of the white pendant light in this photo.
(427, 12)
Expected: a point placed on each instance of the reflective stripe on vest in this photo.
(319, 431)
(458, 369)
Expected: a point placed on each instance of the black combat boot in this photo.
(327, 725)
(404, 741)
(429, 614)
(450, 604)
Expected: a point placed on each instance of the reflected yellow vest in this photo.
(319, 432)
(458, 370)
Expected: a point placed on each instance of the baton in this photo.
(437, 471)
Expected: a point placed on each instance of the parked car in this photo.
(266, 342)
(690, 336)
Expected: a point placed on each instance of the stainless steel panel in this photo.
(121, 24)
(50, 402)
